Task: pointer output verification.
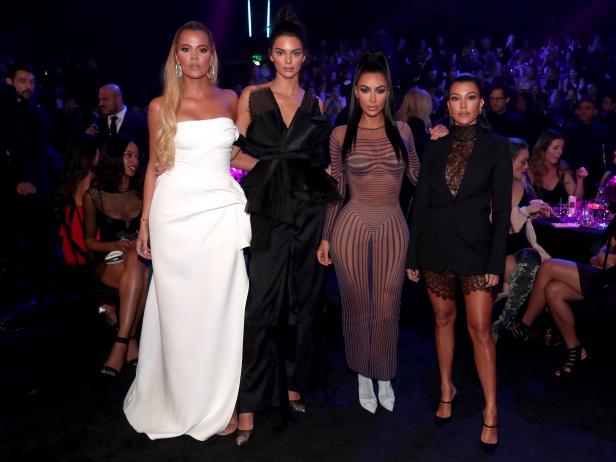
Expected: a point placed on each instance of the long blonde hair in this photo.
(417, 103)
(172, 95)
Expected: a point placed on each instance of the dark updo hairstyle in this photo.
(482, 120)
(110, 168)
(79, 161)
(373, 62)
(287, 24)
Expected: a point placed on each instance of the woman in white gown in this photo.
(193, 216)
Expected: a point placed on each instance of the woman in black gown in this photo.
(287, 191)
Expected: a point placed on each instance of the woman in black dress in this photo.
(552, 177)
(560, 282)
(287, 191)
(112, 209)
(459, 232)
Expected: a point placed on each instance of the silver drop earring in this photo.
(178, 71)
(211, 73)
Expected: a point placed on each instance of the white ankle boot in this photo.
(386, 395)
(367, 398)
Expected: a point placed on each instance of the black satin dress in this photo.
(287, 191)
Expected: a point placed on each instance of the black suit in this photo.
(134, 125)
(455, 233)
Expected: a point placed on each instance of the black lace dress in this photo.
(443, 284)
(111, 215)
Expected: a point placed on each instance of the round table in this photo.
(576, 244)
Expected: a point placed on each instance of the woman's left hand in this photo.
(438, 132)
(491, 280)
(581, 172)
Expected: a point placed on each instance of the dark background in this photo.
(130, 38)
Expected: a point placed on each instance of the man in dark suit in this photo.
(588, 143)
(117, 118)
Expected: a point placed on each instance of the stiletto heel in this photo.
(573, 363)
(443, 420)
(108, 370)
(488, 447)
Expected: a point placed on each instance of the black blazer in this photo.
(134, 125)
(455, 233)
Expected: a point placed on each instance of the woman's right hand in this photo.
(413, 274)
(323, 253)
(142, 244)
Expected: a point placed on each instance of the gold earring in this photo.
(211, 72)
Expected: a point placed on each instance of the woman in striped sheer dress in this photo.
(368, 237)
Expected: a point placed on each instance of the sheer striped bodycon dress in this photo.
(368, 244)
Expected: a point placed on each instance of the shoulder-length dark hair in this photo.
(373, 62)
(482, 119)
(110, 168)
(80, 159)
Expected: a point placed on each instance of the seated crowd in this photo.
(556, 102)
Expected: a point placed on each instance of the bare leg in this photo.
(550, 270)
(246, 420)
(133, 346)
(444, 317)
(510, 263)
(559, 295)
(479, 323)
(131, 288)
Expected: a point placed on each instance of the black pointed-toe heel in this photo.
(243, 436)
(443, 420)
(108, 370)
(489, 448)
(297, 405)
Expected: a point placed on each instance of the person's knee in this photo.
(553, 291)
(444, 318)
(480, 331)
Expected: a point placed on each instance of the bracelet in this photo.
(144, 220)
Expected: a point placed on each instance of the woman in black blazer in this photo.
(459, 232)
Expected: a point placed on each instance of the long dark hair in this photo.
(110, 169)
(287, 24)
(80, 158)
(537, 158)
(373, 62)
(482, 119)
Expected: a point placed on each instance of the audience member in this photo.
(117, 118)
(588, 143)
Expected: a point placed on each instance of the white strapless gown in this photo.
(190, 356)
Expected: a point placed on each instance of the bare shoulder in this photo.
(156, 104)
(249, 89)
(518, 189)
(229, 95)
